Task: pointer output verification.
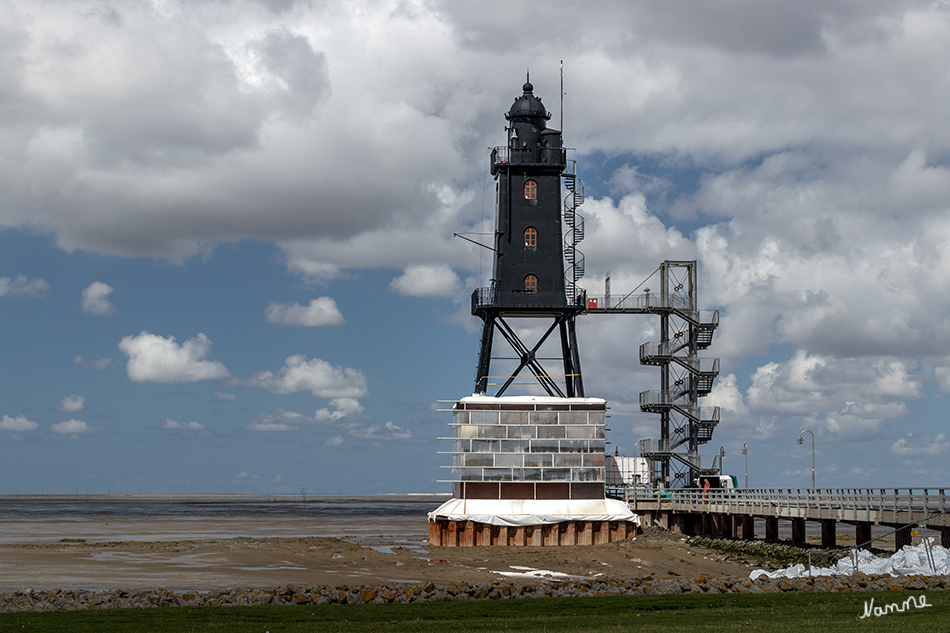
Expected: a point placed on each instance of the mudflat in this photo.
(205, 554)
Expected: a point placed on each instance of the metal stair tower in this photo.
(684, 376)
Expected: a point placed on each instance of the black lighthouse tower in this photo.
(530, 250)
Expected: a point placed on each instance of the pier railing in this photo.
(889, 506)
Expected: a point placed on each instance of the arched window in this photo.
(531, 237)
(530, 285)
(530, 190)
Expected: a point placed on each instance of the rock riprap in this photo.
(65, 600)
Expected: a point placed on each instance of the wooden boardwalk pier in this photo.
(732, 513)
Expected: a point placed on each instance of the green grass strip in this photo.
(792, 612)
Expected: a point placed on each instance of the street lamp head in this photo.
(801, 440)
(745, 449)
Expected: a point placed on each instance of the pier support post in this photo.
(945, 536)
(828, 536)
(798, 530)
(736, 522)
(725, 525)
(678, 523)
(771, 528)
(647, 517)
(694, 523)
(748, 528)
(862, 534)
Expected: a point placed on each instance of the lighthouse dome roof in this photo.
(528, 106)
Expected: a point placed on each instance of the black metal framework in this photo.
(684, 377)
(535, 273)
(528, 274)
(528, 357)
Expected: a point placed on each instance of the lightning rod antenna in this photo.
(562, 96)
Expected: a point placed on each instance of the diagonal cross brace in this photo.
(529, 358)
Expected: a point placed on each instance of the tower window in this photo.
(530, 190)
(531, 237)
(530, 285)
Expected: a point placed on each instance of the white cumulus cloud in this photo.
(427, 280)
(809, 384)
(388, 431)
(73, 427)
(270, 427)
(336, 440)
(281, 421)
(172, 425)
(95, 299)
(22, 287)
(319, 312)
(316, 376)
(913, 445)
(339, 409)
(97, 363)
(158, 359)
(18, 424)
(72, 403)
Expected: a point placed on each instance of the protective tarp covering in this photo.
(925, 559)
(515, 512)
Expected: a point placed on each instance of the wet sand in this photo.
(205, 554)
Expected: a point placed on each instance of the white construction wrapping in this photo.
(517, 512)
(909, 561)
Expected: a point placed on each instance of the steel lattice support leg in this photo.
(578, 378)
(572, 362)
(484, 355)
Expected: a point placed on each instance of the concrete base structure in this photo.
(450, 533)
(529, 471)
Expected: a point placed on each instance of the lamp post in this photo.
(745, 451)
(722, 456)
(801, 440)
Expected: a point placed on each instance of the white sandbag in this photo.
(911, 560)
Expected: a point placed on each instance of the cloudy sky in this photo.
(226, 254)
